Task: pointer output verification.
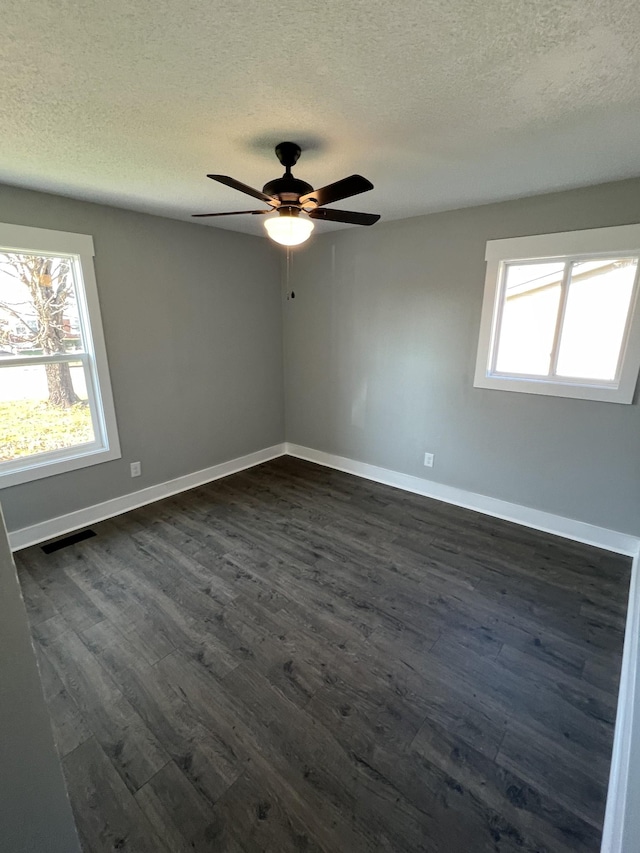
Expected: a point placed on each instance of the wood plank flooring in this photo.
(293, 659)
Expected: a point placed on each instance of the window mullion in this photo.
(562, 308)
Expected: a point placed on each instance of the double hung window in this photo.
(56, 406)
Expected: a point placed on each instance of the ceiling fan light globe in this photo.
(288, 230)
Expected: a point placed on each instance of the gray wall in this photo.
(380, 348)
(35, 816)
(193, 327)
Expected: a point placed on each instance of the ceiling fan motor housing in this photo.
(287, 189)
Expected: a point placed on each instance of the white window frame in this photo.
(619, 241)
(106, 445)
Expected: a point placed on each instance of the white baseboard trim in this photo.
(624, 788)
(569, 528)
(62, 524)
(590, 534)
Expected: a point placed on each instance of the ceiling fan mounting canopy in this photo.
(288, 153)
(290, 196)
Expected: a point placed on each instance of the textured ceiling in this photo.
(441, 104)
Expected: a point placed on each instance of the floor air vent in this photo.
(50, 547)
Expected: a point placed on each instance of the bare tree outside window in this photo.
(47, 284)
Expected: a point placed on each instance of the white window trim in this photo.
(597, 242)
(21, 238)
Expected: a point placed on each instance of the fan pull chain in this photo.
(290, 293)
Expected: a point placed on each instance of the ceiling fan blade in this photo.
(232, 213)
(350, 216)
(345, 188)
(243, 188)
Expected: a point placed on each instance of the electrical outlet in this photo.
(428, 460)
(136, 469)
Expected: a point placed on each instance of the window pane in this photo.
(595, 319)
(38, 307)
(529, 314)
(30, 422)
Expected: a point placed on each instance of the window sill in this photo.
(573, 390)
(41, 468)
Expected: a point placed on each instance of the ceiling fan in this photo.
(289, 197)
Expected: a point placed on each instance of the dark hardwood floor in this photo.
(293, 659)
